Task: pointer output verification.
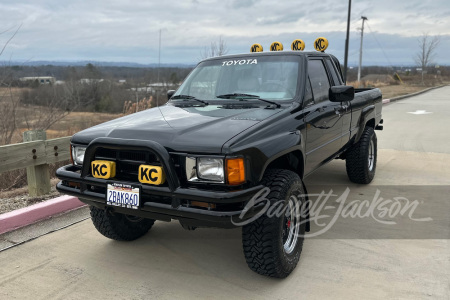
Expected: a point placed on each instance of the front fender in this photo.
(263, 151)
(269, 140)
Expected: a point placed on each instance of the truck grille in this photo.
(127, 161)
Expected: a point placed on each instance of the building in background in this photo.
(39, 79)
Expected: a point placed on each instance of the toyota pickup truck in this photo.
(239, 128)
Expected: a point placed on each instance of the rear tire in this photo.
(361, 159)
(273, 244)
(119, 227)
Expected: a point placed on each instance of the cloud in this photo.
(120, 29)
(242, 3)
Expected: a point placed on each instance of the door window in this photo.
(319, 80)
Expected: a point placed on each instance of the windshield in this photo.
(268, 77)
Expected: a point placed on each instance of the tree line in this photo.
(89, 88)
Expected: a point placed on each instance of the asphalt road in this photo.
(171, 263)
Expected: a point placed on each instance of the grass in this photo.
(408, 84)
(392, 91)
(77, 121)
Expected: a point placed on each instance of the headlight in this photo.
(78, 154)
(201, 169)
(210, 169)
(205, 169)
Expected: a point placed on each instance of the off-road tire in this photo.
(118, 226)
(358, 163)
(264, 247)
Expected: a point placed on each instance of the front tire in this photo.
(361, 159)
(119, 227)
(273, 242)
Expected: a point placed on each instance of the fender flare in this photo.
(296, 145)
(281, 154)
(308, 222)
(367, 114)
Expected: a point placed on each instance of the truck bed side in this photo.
(365, 111)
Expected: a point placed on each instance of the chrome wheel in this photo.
(371, 157)
(291, 225)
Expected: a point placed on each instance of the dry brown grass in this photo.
(388, 90)
(392, 91)
(69, 125)
(14, 91)
(129, 107)
(404, 86)
(77, 121)
(27, 116)
(366, 84)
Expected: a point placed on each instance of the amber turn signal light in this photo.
(235, 171)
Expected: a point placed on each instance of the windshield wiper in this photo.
(240, 96)
(188, 97)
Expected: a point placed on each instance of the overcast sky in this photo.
(127, 31)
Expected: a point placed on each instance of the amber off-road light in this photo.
(235, 171)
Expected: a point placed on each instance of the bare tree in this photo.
(426, 53)
(8, 102)
(48, 105)
(8, 110)
(215, 49)
(9, 40)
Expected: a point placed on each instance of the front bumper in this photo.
(165, 203)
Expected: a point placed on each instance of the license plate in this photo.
(123, 195)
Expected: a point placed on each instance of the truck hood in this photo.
(184, 129)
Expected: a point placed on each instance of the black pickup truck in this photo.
(239, 128)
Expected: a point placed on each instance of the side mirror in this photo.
(170, 94)
(341, 93)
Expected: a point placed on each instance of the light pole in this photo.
(159, 64)
(361, 48)
(347, 41)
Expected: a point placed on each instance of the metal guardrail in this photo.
(35, 155)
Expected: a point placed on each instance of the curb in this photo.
(28, 215)
(385, 101)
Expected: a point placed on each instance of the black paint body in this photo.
(299, 135)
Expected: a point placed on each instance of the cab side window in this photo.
(333, 72)
(319, 80)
